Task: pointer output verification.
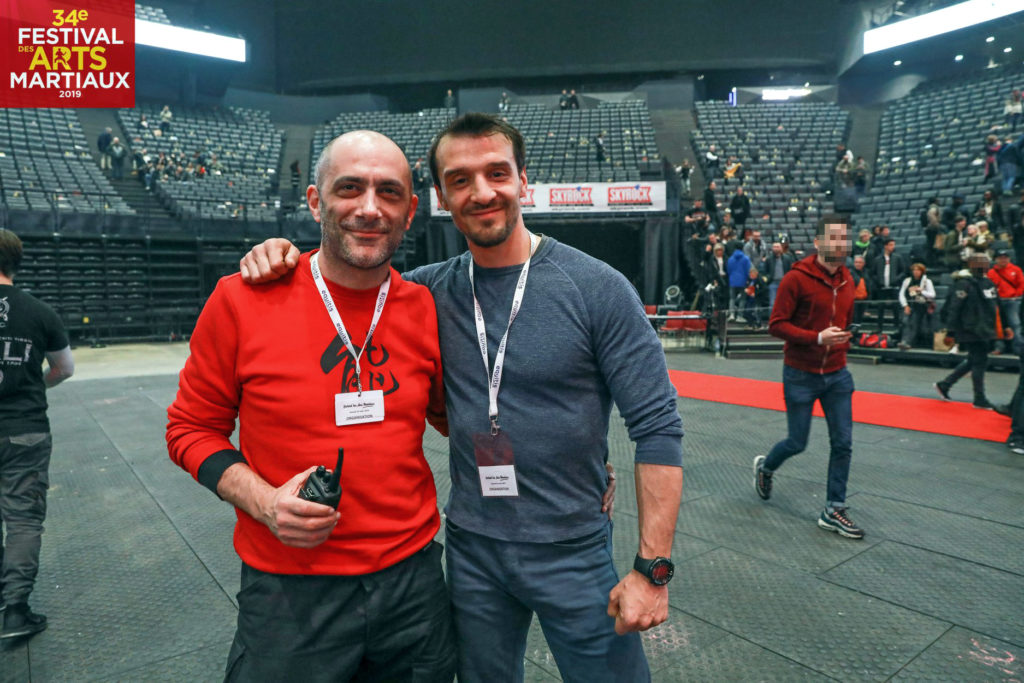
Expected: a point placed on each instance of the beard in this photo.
(489, 237)
(341, 244)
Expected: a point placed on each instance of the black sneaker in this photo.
(943, 390)
(1002, 409)
(836, 519)
(762, 479)
(20, 620)
(983, 404)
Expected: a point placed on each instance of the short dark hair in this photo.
(891, 240)
(831, 219)
(10, 252)
(478, 125)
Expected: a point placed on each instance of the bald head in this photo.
(359, 143)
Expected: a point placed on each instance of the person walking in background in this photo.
(812, 312)
(970, 316)
(30, 331)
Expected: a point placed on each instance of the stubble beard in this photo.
(486, 238)
(341, 245)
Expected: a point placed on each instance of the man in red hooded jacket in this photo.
(812, 312)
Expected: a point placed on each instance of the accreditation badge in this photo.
(496, 465)
(353, 408)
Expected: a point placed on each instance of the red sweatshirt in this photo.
(808, 301)
(1009, 281)
(271, 356)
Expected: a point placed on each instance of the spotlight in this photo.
(958, 58)
(897, 62)
(1007, 49)
(990, 39)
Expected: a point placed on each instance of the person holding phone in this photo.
(812, 313)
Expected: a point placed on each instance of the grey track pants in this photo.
(24, 480)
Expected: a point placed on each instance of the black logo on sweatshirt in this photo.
(375, 375)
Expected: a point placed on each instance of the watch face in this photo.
(661, 572)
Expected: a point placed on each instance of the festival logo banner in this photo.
(79, 53)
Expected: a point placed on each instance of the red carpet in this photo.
(886, 410)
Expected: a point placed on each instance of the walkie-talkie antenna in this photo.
(333, 484)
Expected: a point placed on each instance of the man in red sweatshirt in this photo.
(339, 353)
(1009, 280)
(812, 312)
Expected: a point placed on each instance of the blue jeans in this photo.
(1009, 312)
(773, 289)
(835, 391)
(496, 587)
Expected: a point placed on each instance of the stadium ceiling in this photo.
(990, 43)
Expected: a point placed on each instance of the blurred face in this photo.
(858, 262)
(481, 186)
(890, 247)
(777, 249)
(865, 235)
(833, 245)
(1002, 261)
(756, 235)
(364, 204)
(917, 272)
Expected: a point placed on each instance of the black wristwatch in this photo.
(658, 571)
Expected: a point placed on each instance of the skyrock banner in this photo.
(584, 198)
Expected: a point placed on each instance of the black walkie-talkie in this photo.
(322, 487)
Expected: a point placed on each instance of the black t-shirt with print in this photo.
(28, 330)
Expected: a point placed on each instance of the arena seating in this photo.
(155, 14)
(560, 144)
(794, 145)
(932, 143)
(46, 167)
(412, 132)
(245, 142)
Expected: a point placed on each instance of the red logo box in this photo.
(67, 54)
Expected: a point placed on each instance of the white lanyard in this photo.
(481, 332)
(382, 296)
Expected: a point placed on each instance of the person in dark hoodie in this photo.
(812, 312)
(970, 315)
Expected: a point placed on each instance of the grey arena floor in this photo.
(138, 574)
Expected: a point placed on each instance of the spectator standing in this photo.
(711, 204)
(776, 266)
(117, 153)
(711, 162)
(860, 176)
(861, 287)
(684, 170)
(738, 268)
(1009, 282)
(599, 151)
(1015, 226)
(917, 297)
(574, 100)
(504, 103)
(166, 116)
(449, 99)
(1008, 159)
(563, 100)
(740, 205)
(103, 143)
(992, 147)
(30, 331)
(756, 249)
(1012, 109)
(970, 316)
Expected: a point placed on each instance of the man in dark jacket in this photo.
(740, 205)
(102, 142)
(887, 272)
(812, 312)
(970, 316)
